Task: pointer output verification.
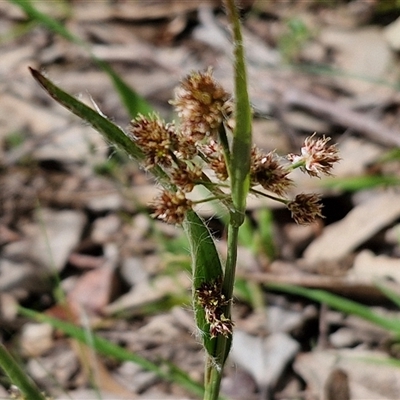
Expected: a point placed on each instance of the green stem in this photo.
(18, 377)
(238, 161)
(230, 267)
(269, 196)
(214, 367)
(212, 379)
(239, 168)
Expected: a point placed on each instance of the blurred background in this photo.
(77, 241)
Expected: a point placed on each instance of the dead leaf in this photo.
(371, 375)
(264, 358)
(360, 224)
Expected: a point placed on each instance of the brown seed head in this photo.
(209, 297)
(171, 207)
(185, 177)
(155, 138)
(201, 103)
(216, 160)
(305, 208)
(266, 171)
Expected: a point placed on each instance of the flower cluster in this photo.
(213, 302)
(265, 170)
(185, 150)
(316, 157)
(305, 208)
(202, 105)
(156, 139)
(171, 207)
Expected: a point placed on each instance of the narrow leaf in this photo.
(357, 183)
(206, 268)
(389, 293)
(18, 377)
(111, 132)
(341, 304)
(109, 349)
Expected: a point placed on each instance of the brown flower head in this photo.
(216, 160)
(305, 208)
(171, 207)
(186, 148)
(185, 177)
(155, 138)
(221, 326)
(201, 104)
(209, 297)
(316, 157)
(266, 171)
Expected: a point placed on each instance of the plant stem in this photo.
(239, 168)
(212, 379)
(238, 160)
(230, 267)
(18, 377)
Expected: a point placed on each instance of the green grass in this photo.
(164, 370)
(345, 305)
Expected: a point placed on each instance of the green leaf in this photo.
(111, 132)
(133, 103)
(206, 268)
(18, 377)
(105, 347)
(46, 20)
(356, 183)
(341, 304)
(389, 293)
(266, 229)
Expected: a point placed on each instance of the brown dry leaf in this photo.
(360, 224)
(54, 236)
(264, 358)
(392, 34)
(93, 290)
(94, 368)
(90, 394)
(361, 53)
(370, 268)
(36, 339)
(138, 10)
(370, 375)
(145, 292)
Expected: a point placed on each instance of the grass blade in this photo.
(357, 183)
(389, 293)
(340, 304)
(18, 377)
(103, 346)
(134, 104)
(111, 132)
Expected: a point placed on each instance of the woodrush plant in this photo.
(211, 145)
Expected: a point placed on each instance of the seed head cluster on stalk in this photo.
(188, 149)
